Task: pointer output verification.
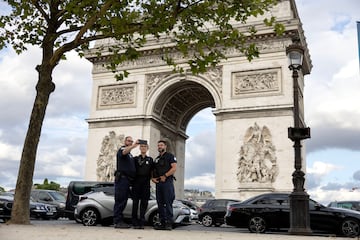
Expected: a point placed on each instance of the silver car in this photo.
(97, 208)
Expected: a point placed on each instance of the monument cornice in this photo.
(155, 49)
(267, 42)
(253, 112)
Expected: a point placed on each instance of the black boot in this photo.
(168, 226)
(159, 226)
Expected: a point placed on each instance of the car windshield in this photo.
(314, 204)
(58, 196)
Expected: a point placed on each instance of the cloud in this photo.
(204, 182)
(9, 151)
(200, 154)
(331, 96)
(322, 168)
(331, 137)
(62, 147)
(327, 196)
(316, 174)
(356, 175)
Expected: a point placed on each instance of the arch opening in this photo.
(174, 107)
(200, 154)
(180, 102)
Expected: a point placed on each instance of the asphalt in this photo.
(61, 231)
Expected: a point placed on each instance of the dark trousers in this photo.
(165, 196)
(140, 194)
(122, 191)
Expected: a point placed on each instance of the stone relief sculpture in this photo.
(257, 162)
(213, 75)
(106, 162)
(110, 96)
(255, 82)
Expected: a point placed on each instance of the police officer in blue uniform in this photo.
(163, 177)
(141, 185)
(124, 175)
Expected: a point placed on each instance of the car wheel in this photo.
(350, 228)
(207, 220)
(154, 218)
(90, 217)
(257, 225)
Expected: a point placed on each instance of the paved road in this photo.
(65, 229)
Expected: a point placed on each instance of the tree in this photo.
(199, 29)
(46, 185)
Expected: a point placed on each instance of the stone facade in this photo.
(252, 102)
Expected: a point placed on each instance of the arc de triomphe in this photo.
(252, 102)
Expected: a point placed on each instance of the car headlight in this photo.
(62, 205)
(40, 207)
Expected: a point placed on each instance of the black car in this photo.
(37, 210)
(212, 212)
(353, 205)
(51, 197)
(272, 211)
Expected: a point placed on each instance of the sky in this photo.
(331, 111)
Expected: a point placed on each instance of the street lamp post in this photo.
(299, 199)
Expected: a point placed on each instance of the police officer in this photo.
(163, 177)
(141, 185)
(124, 175)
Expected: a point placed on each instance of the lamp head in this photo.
(295, 54)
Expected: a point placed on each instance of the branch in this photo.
(43, 13)
(92, 20)
(192, 4)
(63, 11)
(82, 30)
(69, 30)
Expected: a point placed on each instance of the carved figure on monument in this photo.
(107, 156)
(257, 162)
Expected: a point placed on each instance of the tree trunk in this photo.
(20, 213)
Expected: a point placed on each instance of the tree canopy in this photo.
(46, 185)
(199, 29)
(73, 24)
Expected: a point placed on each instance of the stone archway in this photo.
(171, 101)
(252, 102)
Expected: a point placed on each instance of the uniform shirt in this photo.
(162, 163)
(144, 166)
(125, 164)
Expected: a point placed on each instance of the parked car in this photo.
(272, 211)
(212, 212)
(51, 197)
(353, 205)
(194, 209)
(37, 210)
(78, 188)
(97, 208)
